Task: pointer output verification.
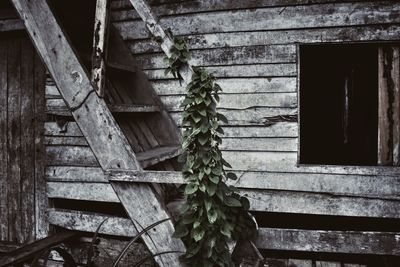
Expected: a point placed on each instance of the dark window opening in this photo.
(339, 104)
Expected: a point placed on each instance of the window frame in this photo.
(328, 168)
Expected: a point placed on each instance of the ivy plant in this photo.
(214, 213)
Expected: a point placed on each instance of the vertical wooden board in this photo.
(27, 186)
(41, 202)
(3, 143)
(100, 46)
(396, 105)
(388, 106)
(13, 141)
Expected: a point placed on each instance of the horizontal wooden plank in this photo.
(260, 200)
(122, 9)
(133, 108)
(233, 144)
(385, 187)
(234, 86)
(71, 174)
(70, 156)
(88, 222)
(279, 129)
(67, 129)
(259, 144)
(11, 25)
(232, 71)
(257, 116)
(102, 192)
(261, 54)
(377, 243)
(227, 101)
(291, 17)
(239, 101)
(387, 32)
(65, 141)
(321, 204)
(51, 91)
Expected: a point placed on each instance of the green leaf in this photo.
(202, 188)
(191, 188)
(202, 112)
(207, 203)
(196, 224)
(225, 163)
(180, 231)
(198, 234)
(203, 139)
(217, 170)
(211, 188)
(225, 231)
(206, 158)
(231, 175)
(222, 118)
(245, 203)
(214, 179)
(212, 215)
(232, 202)
(207, 170)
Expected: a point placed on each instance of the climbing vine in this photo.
(214, 213)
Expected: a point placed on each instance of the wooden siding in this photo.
(256, 64)
(22, 182)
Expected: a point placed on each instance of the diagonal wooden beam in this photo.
(97, 124)
(151, 20)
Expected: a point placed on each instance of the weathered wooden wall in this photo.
(22, 182)
(251, 47)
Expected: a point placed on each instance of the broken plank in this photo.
(354, 242)
(240, 101)
(88, 222)
(158, 154)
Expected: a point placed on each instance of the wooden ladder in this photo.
(135, 106)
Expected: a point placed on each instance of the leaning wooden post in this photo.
(145, 13)
(99, 127)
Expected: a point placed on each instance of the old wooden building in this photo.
(90, 127)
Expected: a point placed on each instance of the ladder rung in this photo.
(156, 155)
